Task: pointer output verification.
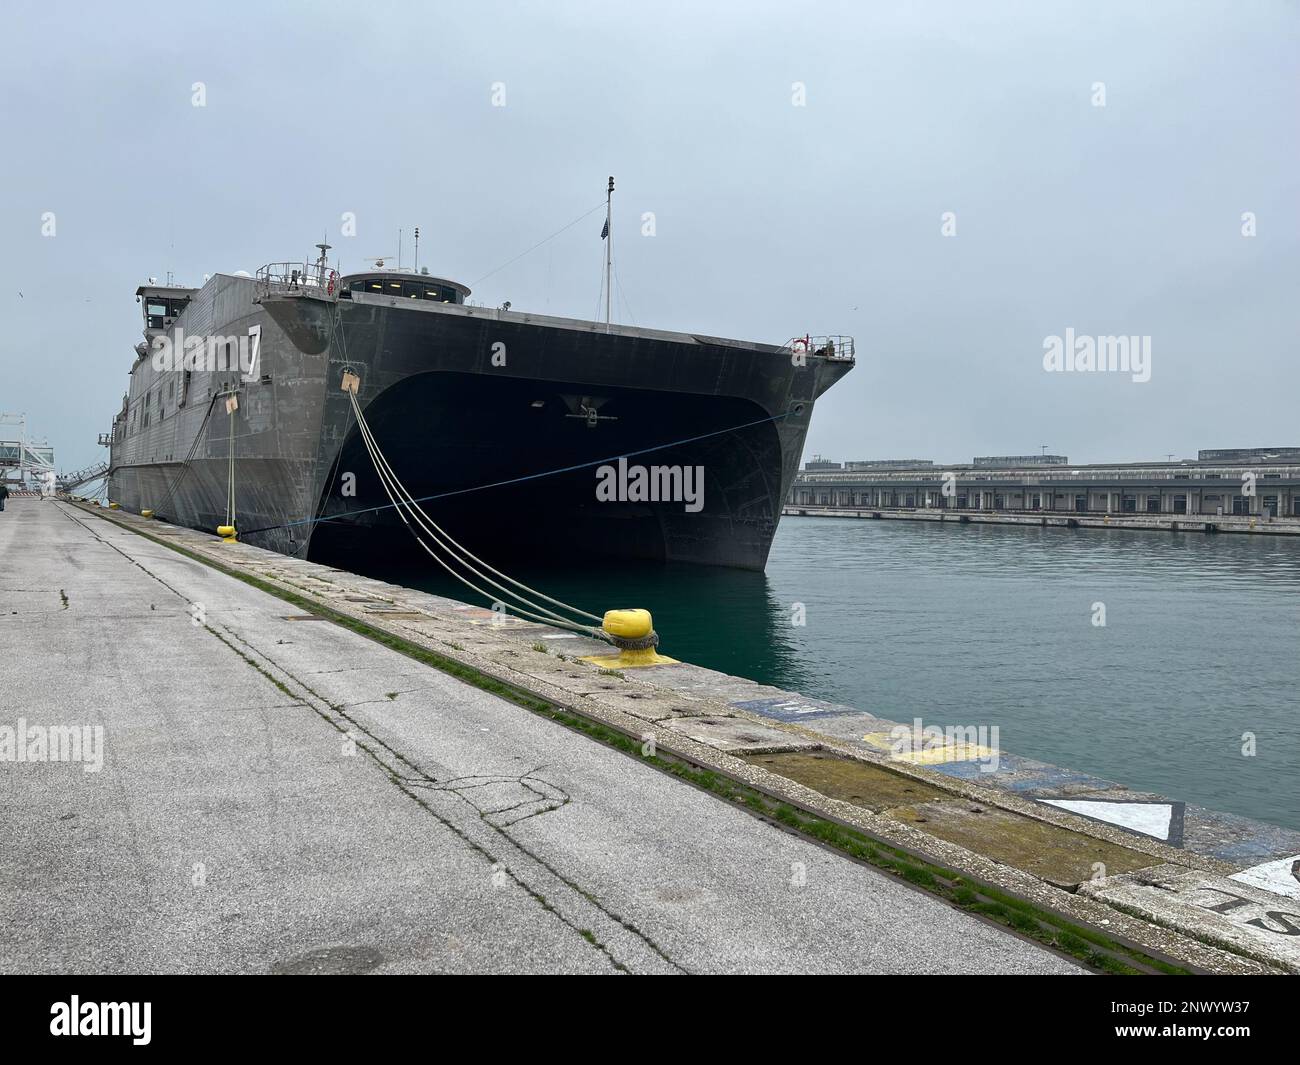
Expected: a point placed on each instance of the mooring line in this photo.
(390, 482)
(526, 477)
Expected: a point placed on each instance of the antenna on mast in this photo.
(416, 267)
(609, 246)
(322, 261)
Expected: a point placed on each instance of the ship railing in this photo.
(297, 279)
(830, 347)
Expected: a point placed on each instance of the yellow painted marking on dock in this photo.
(630, 660)
(936, 754)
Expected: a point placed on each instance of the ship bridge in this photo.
(403, 284)
(320, 281)
(161, 306)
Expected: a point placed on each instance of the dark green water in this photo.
(992, 625)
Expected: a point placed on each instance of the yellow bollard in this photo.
(633, 633)
(114, 506)
(227, 533)
(146, 513)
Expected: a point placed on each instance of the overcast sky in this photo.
(771, 219)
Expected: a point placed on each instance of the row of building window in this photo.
(1129, 504)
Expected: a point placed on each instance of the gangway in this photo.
(68, 481)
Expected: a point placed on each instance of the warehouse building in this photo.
(1263, 482)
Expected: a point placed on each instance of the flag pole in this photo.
(609, 247)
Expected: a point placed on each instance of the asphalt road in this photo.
(286, 796)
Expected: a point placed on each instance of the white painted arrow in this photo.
(1149, 818)
(1281, 877)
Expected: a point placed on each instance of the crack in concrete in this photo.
(331, 712)
(420, 779)
(545, 795)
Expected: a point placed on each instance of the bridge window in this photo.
(414, 289)
(160, 308)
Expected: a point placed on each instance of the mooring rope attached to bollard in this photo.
(230, 482)
(405, 502)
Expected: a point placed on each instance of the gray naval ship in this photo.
(500, 420)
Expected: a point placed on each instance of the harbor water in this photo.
(1198, 657)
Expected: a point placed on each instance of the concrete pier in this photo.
(273, 792)
(609, 836)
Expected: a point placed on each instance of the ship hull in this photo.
(447, 435)
(486, 416)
